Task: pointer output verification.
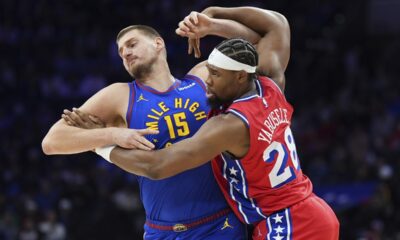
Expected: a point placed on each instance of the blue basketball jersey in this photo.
(177, 114)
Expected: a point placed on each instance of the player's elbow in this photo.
(47, 146)
(154, 172)
(281, 17)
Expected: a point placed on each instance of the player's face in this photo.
(222, 86)
(138, 52)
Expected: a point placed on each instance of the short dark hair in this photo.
(240, 50)
(146, 30)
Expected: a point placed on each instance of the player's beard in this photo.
(142, 70)
(216, 102)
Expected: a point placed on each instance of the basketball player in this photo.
(257, 166)
(188, 205)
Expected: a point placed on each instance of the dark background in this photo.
(342, 80)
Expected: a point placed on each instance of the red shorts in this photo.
(309, 219)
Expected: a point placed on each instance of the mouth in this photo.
(209, 93)
(132, 61)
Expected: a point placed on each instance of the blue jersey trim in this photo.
(259, 88)
(245, 98)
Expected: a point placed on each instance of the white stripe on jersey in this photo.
(231, 192)
(245, 99)
(288, 224)
(269, 229)
(239, 115)
(245, 192)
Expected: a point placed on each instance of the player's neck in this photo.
(248, 90)
(160, 78)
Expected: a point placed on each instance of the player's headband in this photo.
(220, 60)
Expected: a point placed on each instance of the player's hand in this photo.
(194, 45)
(133, 138)
(194, 25)
(80, 119)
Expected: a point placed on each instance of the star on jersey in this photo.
(278, 237)
(234, 180)
(279, 223)
(233, 171)
(278, 218)
(279, 229)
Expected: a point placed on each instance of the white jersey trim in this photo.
(240, 115)
(245, 98)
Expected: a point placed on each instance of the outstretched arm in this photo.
(274, 46)
(221, 133)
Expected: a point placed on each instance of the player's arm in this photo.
(274, 46)
(221, 133)
(198, 25)
(109, 105)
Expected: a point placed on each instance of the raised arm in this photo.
(274, 46)
(221, 133)
(198, 25)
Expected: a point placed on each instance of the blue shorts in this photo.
(221, 228)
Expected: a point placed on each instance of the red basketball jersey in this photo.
(268, 178)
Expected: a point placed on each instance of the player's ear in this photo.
(159, 43)
(242, 76)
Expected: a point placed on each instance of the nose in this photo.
(208, 80)
(126, 52)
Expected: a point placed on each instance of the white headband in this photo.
(220, 60)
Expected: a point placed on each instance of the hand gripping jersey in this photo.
(177, 114)
(268, 178)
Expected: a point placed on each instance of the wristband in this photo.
(105, 152)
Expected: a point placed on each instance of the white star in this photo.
(278, 237)
(233, 171)
(279, 229)
(234, 180)
(237, 189)
(277, 218)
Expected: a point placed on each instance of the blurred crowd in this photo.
(341, 80)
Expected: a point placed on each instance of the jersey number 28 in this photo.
(281, 173)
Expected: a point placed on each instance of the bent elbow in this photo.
(47, 146)
(157, 172)
(154, 173)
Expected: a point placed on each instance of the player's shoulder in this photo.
(118, 85)
(191, 80)
(266, 82)
(116, 88)
(114, 92)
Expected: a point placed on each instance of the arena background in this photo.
(343, 80)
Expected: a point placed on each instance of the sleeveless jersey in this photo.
(177, 114)
(268, 178)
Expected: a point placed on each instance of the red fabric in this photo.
(257, 110)
(311, 219)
